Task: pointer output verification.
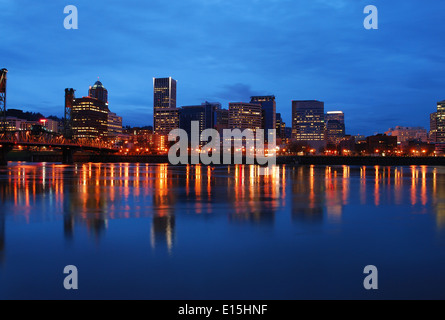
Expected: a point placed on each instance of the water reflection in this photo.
(88, 196)
(2, 236)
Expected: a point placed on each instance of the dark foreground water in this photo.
(162, 232)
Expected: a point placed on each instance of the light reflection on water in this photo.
(91, 196)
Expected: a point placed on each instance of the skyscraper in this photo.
(334, 127)
(268, 106)
(308, 122)
(99, 92)
(165, 114)
(90, 116)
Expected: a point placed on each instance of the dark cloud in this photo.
(238, 92)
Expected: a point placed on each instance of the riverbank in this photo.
(291, 160)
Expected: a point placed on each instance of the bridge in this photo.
(39, 137)
(29, 139)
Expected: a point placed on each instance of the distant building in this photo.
(381, 143)
(165, 113)
(145, 141)
(308, 123)
(51, 125)
(114, 125)
(288, 133)
(437, 127)
(245, 116)
(334, 127)
(268, 108)
(347, 145)
(280, 127)
(405, 134)
(433, 128)
(13, 124)
(222, 120)
(360, 138)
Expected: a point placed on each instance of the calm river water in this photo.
(137, 231)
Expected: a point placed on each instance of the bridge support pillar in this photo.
(67, 156)
(4, 150)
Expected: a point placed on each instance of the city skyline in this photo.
(379, 78)
(92, 93)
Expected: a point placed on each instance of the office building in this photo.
(405, 134)
(12, 124)
(114, 125)
(308, 123)
(268, 106)
(89, 118)
(433, 128)
(99, 92)
(51, 125)
(165, 113)
(334, 127)
(437, 129)
(245, 116)
(166, 121)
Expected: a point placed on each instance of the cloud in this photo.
(238, 92)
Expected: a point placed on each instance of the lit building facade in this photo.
(405, 134)
(334, 127)
(433, 128)
(308, 123)
(145, 141)
(437, 129)
(165, 113)
(166, 121)
(89, 118)
(114, 125)
(51, 125)
(245, 116)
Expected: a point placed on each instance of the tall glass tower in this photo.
(165, 114)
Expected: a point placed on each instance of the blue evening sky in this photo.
(228, 50)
